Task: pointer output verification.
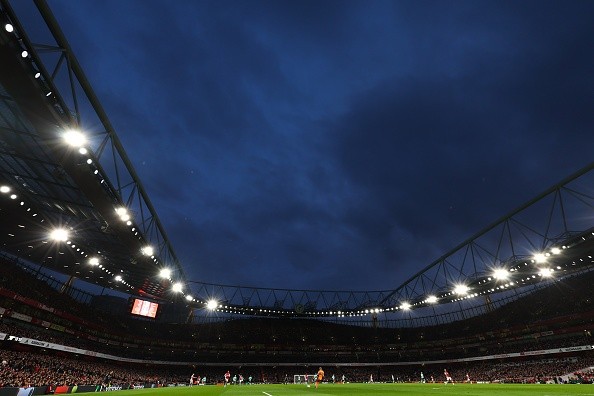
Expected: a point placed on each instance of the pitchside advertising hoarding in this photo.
(44, 390)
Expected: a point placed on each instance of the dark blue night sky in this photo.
(338, 144)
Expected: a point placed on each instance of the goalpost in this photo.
(300, 379)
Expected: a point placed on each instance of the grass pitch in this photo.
(372, 389)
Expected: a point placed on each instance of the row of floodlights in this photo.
(10, 29)
(461, 291)
(25, 54)
(77, 139)
(62, 235)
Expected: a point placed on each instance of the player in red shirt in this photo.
(448, 377)
(227, 377)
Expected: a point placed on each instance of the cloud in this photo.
(338, 145)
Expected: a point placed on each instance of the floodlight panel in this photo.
(59, 234)
(74, 138)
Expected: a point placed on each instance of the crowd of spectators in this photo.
(25, 369)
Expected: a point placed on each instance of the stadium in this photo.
(94, 298)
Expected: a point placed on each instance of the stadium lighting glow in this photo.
(555, 250)
(165, 273)
(37, 75)
(13, 196)
(118, 278)
(540, 258)
(177, 287)
(9, 28)
(500, 273)
(121, 211)
(546, 272)
(4, 189)
(24, 54)
(189, 298)
(59, 234)
(405, 306)
(94, 261)
(432, 299)
(82, 150)
(147, 250)
(461, 289)
(74, 138)
(212, 305)
(125, 217)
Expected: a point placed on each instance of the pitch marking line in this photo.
(267, 394)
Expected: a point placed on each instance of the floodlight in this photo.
(555, 250)
(121, 211)
(461, 289)
(500, 273)
(540, 258)
(546, 272)
(9, 28)
(189, 298)
(13, 196)
(147, 250)
(212, 305)
(59, 234)
(24, 54)
(118, 278)
(4, 189)
(83, 150)
(125, 217)
(431, 299)
(94, 261)
(177, 287)
(165, 273)
(74, 138)
(405, 306)
(37, 75)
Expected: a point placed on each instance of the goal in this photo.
(300, 378)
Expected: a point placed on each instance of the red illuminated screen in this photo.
(144, 308)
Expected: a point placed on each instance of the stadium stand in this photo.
(273, 348)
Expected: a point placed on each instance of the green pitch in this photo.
(371, 389)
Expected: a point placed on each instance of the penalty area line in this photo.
(267, 394)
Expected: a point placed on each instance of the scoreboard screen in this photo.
(144, 308)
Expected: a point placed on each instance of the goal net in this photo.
(303, 379)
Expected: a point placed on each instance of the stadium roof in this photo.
(92, 192)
